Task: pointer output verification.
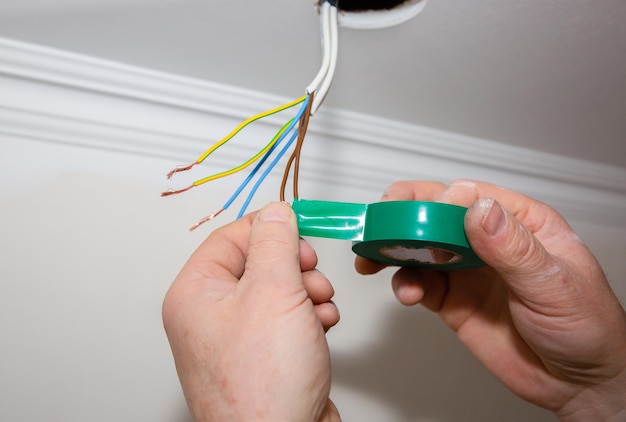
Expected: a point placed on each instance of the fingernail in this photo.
(442, 196)
(457, 191)
(276, 211)
(494, 219)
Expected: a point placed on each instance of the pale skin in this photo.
(247, 314)
(246, 319)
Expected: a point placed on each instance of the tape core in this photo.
(425, 255)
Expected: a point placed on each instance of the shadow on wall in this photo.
(418, 368)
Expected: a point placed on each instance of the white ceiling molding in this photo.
(63, 97)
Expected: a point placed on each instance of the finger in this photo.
(465, 191)
(317, 286)
(221, 256)
(210, 273)
(308, 257)
(320, 292)
(328, 314)
(408, 286)
(366, 266)
(530, 212)
(330, 412)
(412, 191)
(506, 245)
(274, 249)
(426, 287)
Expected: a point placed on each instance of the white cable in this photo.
(326, 49)
(320, 93)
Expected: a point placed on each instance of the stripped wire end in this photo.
(181, 168)
(174, 192)
(205, 219)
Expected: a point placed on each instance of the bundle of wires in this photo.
(294, 130)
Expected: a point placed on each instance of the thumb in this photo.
(273, 254)
(507, 246)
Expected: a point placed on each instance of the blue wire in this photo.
(265, 173)
(261, 162)
(266, 156)
(256, 168)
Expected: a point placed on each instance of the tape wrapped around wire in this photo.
(403, 233)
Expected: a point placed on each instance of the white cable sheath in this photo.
(326, 50)
(320, 93)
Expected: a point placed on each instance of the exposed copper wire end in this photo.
(174, 192)
(205, 219)
(181, 168)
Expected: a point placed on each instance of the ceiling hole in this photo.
(373, 14)
(363, 5)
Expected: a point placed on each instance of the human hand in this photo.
(541, 317)
(246, 320)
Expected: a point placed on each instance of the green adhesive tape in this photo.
(404, 233)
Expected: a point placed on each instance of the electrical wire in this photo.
(295, 156)
(315, 93)
(280, 136)
(265, 173)
(326, 51)
(235, 132)
(331, 44)
(287, 126)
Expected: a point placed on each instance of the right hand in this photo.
(541, 317)
(246, 319)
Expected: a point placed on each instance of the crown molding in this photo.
(59, 96)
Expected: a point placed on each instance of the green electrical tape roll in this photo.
(404, 233)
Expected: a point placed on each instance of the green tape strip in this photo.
(404, 233)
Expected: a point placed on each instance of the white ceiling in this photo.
(544, 74)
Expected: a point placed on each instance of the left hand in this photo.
(541, 316)
(246, 320)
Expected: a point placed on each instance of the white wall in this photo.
(90, 249)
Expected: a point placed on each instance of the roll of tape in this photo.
(404, 233)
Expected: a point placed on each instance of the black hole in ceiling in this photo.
(361, 5)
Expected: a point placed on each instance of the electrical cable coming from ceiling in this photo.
(295, 128)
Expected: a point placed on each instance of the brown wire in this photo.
(283, 183)
(298, 149)
(295, 155)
